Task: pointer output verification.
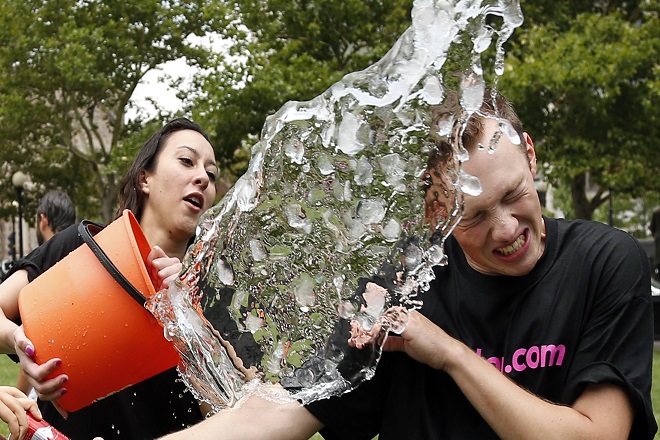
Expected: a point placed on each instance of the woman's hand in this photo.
(162, 269)
(13, 411)
(47, 389)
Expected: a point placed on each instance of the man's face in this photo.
(502, 230)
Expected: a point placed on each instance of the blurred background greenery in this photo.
(583, 76)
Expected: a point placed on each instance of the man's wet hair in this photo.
(494, 104)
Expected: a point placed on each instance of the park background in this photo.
(74, 106)
(83, 83)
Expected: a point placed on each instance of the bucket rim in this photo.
(133, 227)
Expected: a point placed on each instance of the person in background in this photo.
(537, 327)
(55, 213)
(168, 187)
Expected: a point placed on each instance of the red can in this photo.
(42, 430)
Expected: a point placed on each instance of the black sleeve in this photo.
(358, 414)
(45, 256)
(618, 335)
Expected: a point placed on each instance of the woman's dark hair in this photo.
(130, 196)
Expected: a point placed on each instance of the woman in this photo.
(169, 186)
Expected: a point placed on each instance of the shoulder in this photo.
(592, 235)
(611, 258)
(62, 243)
(49, 253)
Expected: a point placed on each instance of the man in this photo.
(537, 327)
(54, 214)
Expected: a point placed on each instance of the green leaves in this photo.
(583, 76)
(68, 70)
(291, 50)
(587, 91)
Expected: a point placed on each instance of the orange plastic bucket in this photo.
(77, 311)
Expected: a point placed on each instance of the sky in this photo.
(150, 87)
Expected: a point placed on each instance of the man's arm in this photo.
(255, 418)
(602, 411)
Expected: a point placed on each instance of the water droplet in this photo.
(364, 172)
(331, 198)
(370, 211)
(225, 272)
(509, 131)
(469, 184)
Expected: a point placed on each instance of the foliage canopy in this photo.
(68, 70)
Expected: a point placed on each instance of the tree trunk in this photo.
(108, 198)
(584, 205)
(579, 195)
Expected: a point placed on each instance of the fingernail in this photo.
(63, 392)
(29, 350)
(58, 363)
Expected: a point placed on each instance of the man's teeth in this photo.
(514, 247)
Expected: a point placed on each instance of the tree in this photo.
(68, 69)
(289, 50)
(585, 82)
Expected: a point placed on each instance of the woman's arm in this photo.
(9, 291)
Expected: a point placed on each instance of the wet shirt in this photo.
(45, 256)
(583, 315)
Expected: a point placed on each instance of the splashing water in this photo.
(325, 236)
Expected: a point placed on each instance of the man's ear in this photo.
(43, 222)
(531, 153)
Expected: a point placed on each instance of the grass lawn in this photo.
(9, 372)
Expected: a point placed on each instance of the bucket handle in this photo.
(83, 230)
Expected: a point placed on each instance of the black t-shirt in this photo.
(582, 315)
(45, 256)
(149, 409)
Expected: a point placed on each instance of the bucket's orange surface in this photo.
(76, 311)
